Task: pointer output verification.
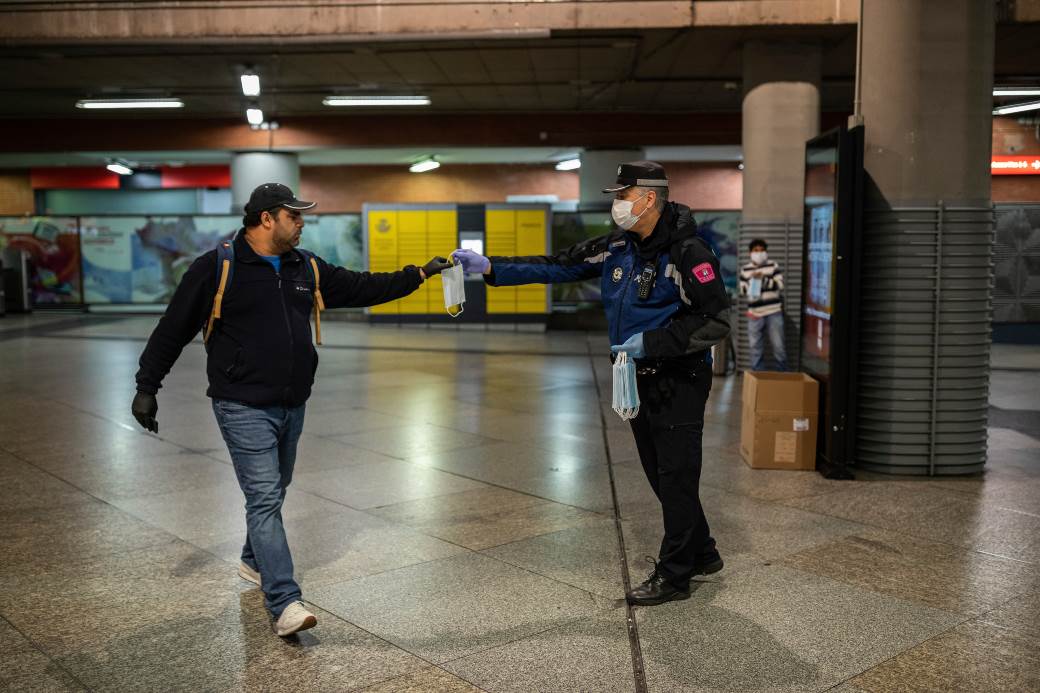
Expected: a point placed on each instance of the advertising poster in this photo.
(335, 238)
(52, 244)
(570, 228)
(107, 252)
(164, 247)
(139, 259)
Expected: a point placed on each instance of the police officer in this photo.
(261, 363)
(666, 306)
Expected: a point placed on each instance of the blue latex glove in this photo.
(633, 346)
(471, 262)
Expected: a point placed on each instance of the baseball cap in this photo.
(641, 173)
(271, 195)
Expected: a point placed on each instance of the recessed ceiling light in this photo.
(250, 84)
(1017, 108)
(129, 103)
(424, 166)
(376, 101)
(255, 116)
(1016, 91)
(568, 165)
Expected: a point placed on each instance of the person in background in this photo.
(763, 283)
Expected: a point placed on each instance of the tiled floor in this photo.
(453, 524)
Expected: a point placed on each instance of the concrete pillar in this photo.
(250, 169)
(926, 288)
(599, 170)
(781, 111)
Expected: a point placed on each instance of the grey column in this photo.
(781, 111)
(250, 169)
(598, 170)
(927, 273)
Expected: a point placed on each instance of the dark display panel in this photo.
(833, 220)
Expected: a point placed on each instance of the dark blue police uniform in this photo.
(682, 311)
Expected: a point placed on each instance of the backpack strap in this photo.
(319, 302)
(225, 270)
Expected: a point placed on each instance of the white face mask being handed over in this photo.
(621, 212)
(454, 282)
(759, 257)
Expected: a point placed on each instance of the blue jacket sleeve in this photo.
(574, 264)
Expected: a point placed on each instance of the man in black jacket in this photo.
(261, 366)
(666, 306)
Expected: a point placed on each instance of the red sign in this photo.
(1015, 165)
(73, 178)
(196, 176)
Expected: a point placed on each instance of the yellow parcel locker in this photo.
(500, 232)
(442, 237)
(530, 240)
(382, 249)
(412, 250)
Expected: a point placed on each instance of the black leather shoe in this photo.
(655, 590)
(708, 565)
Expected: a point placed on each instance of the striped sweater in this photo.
(769, 301)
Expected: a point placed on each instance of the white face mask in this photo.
(759, 257)
(621, 212)
(454, 289)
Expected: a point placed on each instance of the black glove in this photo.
(144, 410)
(435, 266)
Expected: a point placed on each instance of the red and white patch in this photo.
(704, 272)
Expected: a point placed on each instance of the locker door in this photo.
(382, 250)
(412, 250)
(442, 237)
(530, 240)
(501, 240)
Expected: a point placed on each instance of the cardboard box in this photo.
(780, 419)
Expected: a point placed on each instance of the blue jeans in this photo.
(262, 442)
(773, 325)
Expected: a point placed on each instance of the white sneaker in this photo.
(248, 574)
(295, 618)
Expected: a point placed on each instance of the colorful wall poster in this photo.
(52, 244)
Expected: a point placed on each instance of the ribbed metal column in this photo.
(925, 327)
(785, 248)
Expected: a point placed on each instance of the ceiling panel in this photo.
(625, 70)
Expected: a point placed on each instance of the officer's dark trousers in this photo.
(668, 433)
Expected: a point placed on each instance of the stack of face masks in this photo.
(626, 393)
(755, 288)
(454, 282)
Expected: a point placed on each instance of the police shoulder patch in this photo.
(704, 272)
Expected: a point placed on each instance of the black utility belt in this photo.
(662, 367)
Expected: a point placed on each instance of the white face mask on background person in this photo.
(621, 212)
(759, 257)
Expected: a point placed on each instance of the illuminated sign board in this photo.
(1015, 165)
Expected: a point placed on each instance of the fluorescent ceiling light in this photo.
(1017, 108)
(568, 165)
(116, 167)
(1016, 91)
(376, 101)
(129, 103)
(255, 116)
(424, 165)
(250, 84)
